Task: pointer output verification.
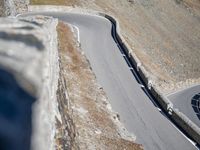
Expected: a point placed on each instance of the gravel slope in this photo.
(164, 34)
(87, 121)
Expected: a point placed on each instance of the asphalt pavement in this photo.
(188, 102)
(139, 115)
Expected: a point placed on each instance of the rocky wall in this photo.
(28, 82)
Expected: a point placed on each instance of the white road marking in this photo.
(78, 33)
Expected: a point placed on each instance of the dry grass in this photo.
(47, 2)
(52, 2)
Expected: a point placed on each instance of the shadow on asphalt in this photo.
(195, 102)
(144, 87)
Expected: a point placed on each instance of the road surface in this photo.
(139, 115)
(188, 102)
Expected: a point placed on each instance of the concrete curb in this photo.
(178, 117)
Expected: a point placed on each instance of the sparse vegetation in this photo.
(48, 2)
(53, 2)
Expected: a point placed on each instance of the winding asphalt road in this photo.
(188, 102)
(139, 115)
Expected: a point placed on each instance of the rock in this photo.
(28, 82)
(13, 7)
(1, 8)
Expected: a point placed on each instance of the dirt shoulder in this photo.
(86, 115)
(163, 34)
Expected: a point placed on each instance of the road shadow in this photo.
(195, 102)
(15, 114)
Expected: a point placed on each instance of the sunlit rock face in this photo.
(28, 79)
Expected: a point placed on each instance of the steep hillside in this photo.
(164, 34)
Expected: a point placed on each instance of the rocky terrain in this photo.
(13, 7)
(50, 98)
(51, 79)
(87, 117)
(28, 78)
(2, 8)
(164, 35)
